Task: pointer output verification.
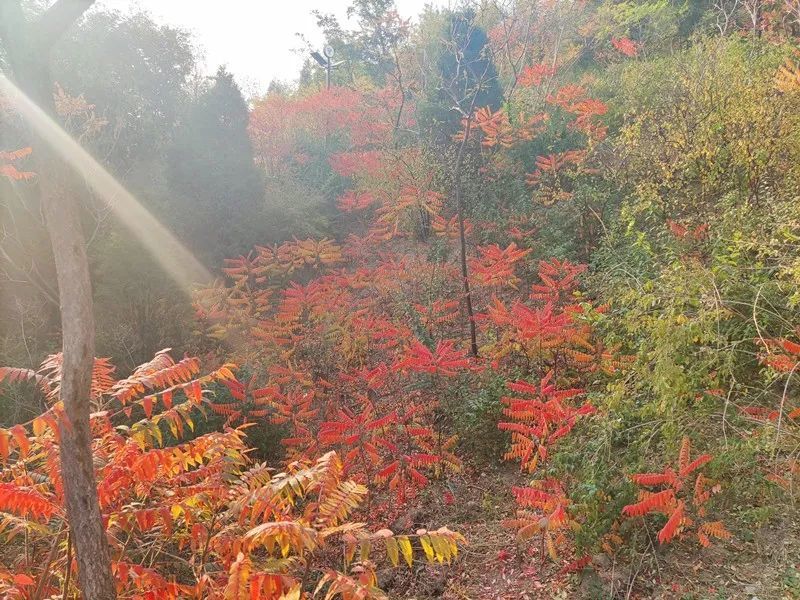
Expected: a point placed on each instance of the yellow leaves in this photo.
(393, 550)
(287, 536)
(405, 549)
(313, 253)
(427, 547)
(200, 494)
(341, 502)
(440, 545)
(292, 485)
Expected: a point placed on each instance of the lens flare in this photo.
(173, 256)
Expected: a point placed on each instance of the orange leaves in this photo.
(538, 417)
(496, 129)
(534, 75)
(672, 501)
(23, 580)
(682, 232)
(10, 171)
(351, 164)
(348, 588)
(684, 455)
(495, 266)
(202, 497)
(393, 449)
(444, 360)
(411, 206)
(695, 464)
(550, 172)
(535, 331)
(652, 479)
(558, 280)
(658, 502)
(782, 355)
(26, 502)
(448, 228)
(573, 99)
(15, 154)
(567, 95)
(14, 374)
(673, 524)
(625, 46)
(309, 253)
(21, 438)
(358, 434)
(147, 582)
(5, 446)
(553, 163)
(544, 510)
(439, 312)
(238, 579)
(281, 127)
(712, 529)
(162, 371)
(354, 201)
(585, 112)
(49, 376)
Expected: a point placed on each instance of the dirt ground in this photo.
(755, 565)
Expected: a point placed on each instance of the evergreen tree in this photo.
(466, 74)
(217, 204)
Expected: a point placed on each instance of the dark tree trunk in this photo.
(28, 47)
(459, 198)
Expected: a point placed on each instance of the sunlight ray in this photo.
(168, 251)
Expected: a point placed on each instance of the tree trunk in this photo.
(28, 47)
(61, 213)
(459, 197)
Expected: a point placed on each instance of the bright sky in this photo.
(254, 38)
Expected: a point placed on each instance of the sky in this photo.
(253, 38)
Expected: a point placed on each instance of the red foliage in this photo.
(495, 266)
(538, 419)
(534, 75)
(672, 501)
(626, 46)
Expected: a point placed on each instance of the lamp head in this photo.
(319, 58)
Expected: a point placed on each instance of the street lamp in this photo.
(325, 61)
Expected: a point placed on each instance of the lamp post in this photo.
(325, 61)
